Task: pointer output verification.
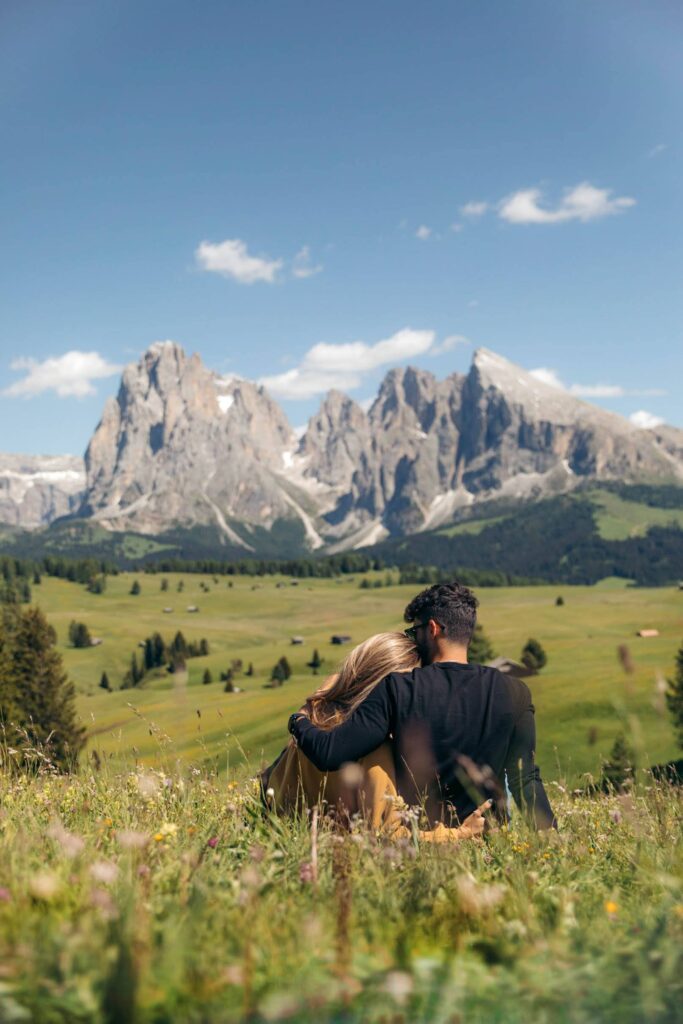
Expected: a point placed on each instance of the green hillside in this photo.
(582, 689)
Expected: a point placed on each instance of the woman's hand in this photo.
(475, 823)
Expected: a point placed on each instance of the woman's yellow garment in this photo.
(366, 787)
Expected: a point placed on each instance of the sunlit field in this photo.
(167, 896)
(583, 697)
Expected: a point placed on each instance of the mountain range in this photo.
(181, 447)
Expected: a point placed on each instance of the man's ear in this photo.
(434, 628)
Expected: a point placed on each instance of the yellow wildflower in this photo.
(611, 907)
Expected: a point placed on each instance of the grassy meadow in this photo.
(583, 697)
(151, 887)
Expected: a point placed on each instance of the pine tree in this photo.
(559, 601)
(278, 676)
(316, 661)
(149, 654)
(159, 648)
(674, 698)
(286, 670)
(136, 671)
(179, 645)
(617, 771)
(164, 585)
(35, 693)
(104, 682)
(533, 655)
(250, 669)
(229, 685)
(207, 677)
(480, 650)
(203, 647)
(135, 589)
(79, 634)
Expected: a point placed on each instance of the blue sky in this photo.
(254, 180)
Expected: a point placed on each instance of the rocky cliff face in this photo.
(180, 446)
(36, 489)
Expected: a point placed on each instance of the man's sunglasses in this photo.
(411, 631)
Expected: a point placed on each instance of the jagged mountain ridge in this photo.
(36, 489)
(181, 446)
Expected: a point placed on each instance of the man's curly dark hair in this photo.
(452, 605)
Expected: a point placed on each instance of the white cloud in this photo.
(548, 376)
(475, 208)
(448, 344)
(656, 151)
(456, 227)
(302, 266)
(231, 259)
(645, 420)
(70, 375)
(342, 366)
(423, 232)
(552, 378)
(583, 202)
(597, 390)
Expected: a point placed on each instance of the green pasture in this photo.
(583, 697)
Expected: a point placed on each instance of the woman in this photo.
(367, 788)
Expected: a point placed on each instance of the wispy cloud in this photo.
(423, 232)
(69, 376)
(582, 202)
(448, 344)
(302, 266)
(656, 151)
(475, 208)
(552, 378)
(231, 259)
(645, 420)
(343, 366)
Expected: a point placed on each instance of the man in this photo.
(457, 729)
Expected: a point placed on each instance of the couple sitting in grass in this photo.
(407, 721)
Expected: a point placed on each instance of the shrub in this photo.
(533, 655)
(480, 650)
(79, 635)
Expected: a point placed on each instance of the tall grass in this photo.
(166, 895)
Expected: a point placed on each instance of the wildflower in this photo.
(104, 871)
(148, 786)
(212, 843)
(71, 844)
(615, 816)
(399, 986)
(44, 885)
(131, 840)
(5, 895)
(351, 775)
(306, 873)
(611, 908)
(101, 899)
(167, 832)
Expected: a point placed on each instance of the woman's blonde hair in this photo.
(360, 672)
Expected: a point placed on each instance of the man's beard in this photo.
(424, 653)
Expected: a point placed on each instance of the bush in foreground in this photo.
(151, 896)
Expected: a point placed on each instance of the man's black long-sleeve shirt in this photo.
(456, 731)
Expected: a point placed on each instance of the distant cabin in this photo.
(296, 640)
(340, 638)
(192, 608)
(167, 611)
(95, 641)
(511, 668)
(647, 632)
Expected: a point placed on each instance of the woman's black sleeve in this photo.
(363, 732)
